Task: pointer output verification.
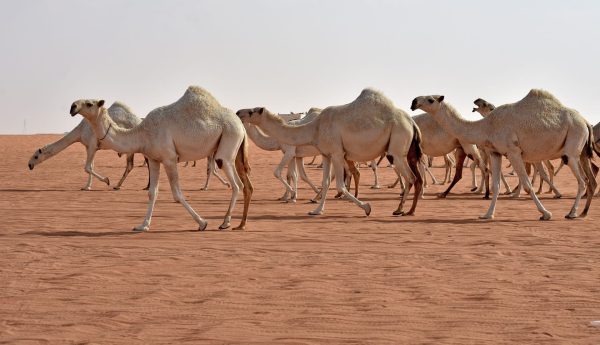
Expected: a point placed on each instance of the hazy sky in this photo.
(290, 55)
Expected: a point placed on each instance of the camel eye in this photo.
(39, 150)
(430, 101)
(88, 104)
(36, 157)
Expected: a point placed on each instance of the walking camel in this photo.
(83, 133)
(359, 131)
(534, 129)
(484, 108)
(194, 127)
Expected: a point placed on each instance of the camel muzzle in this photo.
(73, 110)
(474, 110)
(414, 106)
(30, 166)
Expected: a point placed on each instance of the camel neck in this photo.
(117, 138)
(69, 139)
(289, 135)
(468, 132)
(261, 140)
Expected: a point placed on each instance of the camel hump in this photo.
(120, 105)
(375, 96)
(539, 93)
(200, 92)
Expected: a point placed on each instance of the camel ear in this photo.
(440, 99)
(260, 110)
(100, 103)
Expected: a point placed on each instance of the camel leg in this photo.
(303, 176)
(173, 175)
(218, 176)
(89, 167)
(507, 189)
(154, 173)
(289, 179)
(128, 169)
(496, 165)
(285, 160)
(562, 164)
(590, 174)
(88, 185)
(236, 185)
(148, 166)
(551, 174)
(374, 168)
(402, 169)
(313, 160)
(519, 166)
(474, 186)
(293, 177)
(433, 179)
(460, 158)
(581, 186)
(248, 189)
(338, 166)
(186, 164)
(210, 161)
(326, 162)
(544, 177)
(350, 167)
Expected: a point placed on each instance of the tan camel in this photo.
(484, 108)
(534, 129)
(83, 133)
(436, 141)
(359, 131)
(194, 127)
(292, 158)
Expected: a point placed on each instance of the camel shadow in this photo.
(416, 220)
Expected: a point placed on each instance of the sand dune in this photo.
(72, 271)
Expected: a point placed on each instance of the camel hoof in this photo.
(147, 188)
(474, 189)
(546, 216)
(508, 192)
(315, 213)
(557, 196)
(107, 181)
(240, 227)
(571, 216)
(367, 208)
(291, 201)
(442, 195)
(312, 201)
(486, 216)
(204, 188)
(202, 227)
(141, 228)
(86, 188)
(398, 213)
(224, 226)
(117, 188)
(376, 187)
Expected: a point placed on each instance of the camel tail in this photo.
(591, 146)
(416, 143)
(242, 155)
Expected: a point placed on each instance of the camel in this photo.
(484, 108)
(194, 127)
(436, 141)
(536, 128)
(359, 131)
(83, 133)
(295, 155)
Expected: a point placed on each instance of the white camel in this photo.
(484, 108)
(83, 133)
(297, 153)
(194, 127)
(534, 129)
(359, 131)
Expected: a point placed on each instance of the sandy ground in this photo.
(72, 271)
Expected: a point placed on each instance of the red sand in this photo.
(71, 271)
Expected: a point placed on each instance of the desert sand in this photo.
(72, 271)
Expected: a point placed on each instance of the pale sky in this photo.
(290, 55)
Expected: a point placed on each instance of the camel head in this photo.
(253, 116)
(427, 103)
(484, 108)
(88, 108)
(38, 156)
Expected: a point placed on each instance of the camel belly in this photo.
(195, 147)
(362, 147)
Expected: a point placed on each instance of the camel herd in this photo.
(529, 133)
